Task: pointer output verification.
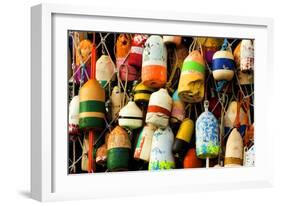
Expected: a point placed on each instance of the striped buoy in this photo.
(223, 65)
(116, 101)
(207, 135)
(154, 63)
(247, 55)
(178, 109)
(161, 156)
(234, 150)
(104, 70)
(92, 105)
(142, 93)
(183, 137)
(135, 56)
(172, 40)
(191, 83)
(191, 160)
(159, 108)
(118, 150)
(73, 116)
(130, 116)
(143, 147)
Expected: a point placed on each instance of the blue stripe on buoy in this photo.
(223, 63)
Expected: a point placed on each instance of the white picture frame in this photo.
(49, 177)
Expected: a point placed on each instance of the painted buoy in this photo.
(191, 160)
(142, 93)
(73, 118)
(123, 47)
(154, 63)
(210, 46)
(172, 40)
(247, 55)
(143, 147)
(234, 150)
(118, 150)
(183, 137)
(178, 109)
(130, 116)
(104, 70)
(135, 56)
(92, 105)
(116, 101)
(159, 108)
(207, 137)
(161, 156)
(191, 83)
(223, 65)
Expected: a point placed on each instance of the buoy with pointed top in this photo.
(130, 116)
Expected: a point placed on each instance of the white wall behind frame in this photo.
(15, 27)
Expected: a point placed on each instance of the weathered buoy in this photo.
(161, 156)
(73, 116)
(234, 150)
(118, 150)
(154, 63)
(223, 65)
(176, 40)
(178, 109)
(183, 137)
(207, 137)
(143, 147)
(104, 70)
(123, 46)
(116, 101)
(142, 93)
(210, 46)
(130, 116)
(159, 108)
(135, 56)
(191, 83)
(191, 160)
(92, 105)
(247, 55)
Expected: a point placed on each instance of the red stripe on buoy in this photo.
(154, 108)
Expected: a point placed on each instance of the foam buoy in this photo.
(178, 110)
(191, 160)
(247, 55)
(234, 150)
(116, 101)
(92, 105)
(207, 137)
(73, 116)
(159, 108)
(104, 70)
(154, 63)
(130, 116)
(118, 150)
(142, 93)
(223, 65)
(161, 156)
(172, 40)
(183, 137)
(135, 56)
(191, 83)
(123, 47)
(143, 147)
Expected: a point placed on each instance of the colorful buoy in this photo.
(154, 63)
(223, 65)
(161, 157)
(130, 116)
(142, 93)
(92, 105)
(135, 56)
(191, 83)
(104, 70)
(159, 108)
(118, 150)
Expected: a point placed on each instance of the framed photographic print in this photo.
(135, 102)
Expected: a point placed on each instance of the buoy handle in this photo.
(206, 105)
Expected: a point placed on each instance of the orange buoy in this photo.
(191, 160)
(154, 63)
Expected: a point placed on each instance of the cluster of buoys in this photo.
(163, 102)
